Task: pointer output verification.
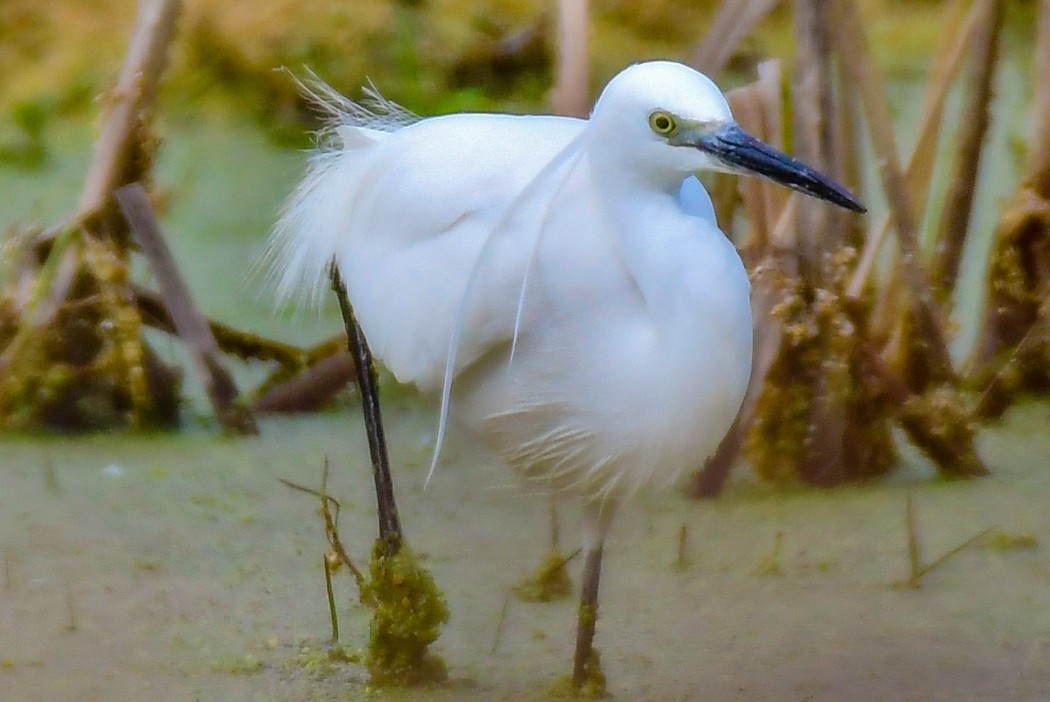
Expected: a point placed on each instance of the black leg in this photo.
(588, 617)
(368, 384)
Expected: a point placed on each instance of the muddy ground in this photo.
(179, 568)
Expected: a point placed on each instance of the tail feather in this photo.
(316, 217)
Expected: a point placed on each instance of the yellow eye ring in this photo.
(662, 122)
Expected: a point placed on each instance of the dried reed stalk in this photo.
(758, 108)
(846, 156)
(571, 94)
(115, 150)
(958, 203)
(961, 27)
(818, 234)
(931, 323)
(813, 105)
(733, 21)
(190, 324)
(1040, 170)
(136, 86)
(934, 415)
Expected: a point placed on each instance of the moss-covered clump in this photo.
(821, 417)
(940, 423)
(1011, 360)
(79, 362)
(409, 612)
(593, 687)
(549, 582)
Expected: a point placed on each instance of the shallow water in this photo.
(179, 568)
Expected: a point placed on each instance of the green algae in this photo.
(410, 610)
(549, 582)
(593, 687)
(1003, 540)
(327, 660)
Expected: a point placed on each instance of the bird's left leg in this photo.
(550, 580)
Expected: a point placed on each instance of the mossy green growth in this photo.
(593, 687)
(409, 612)
(940, 423)
(27, 150)
(1001, 540)
(821, 370)
(549, 582)
(327, 660)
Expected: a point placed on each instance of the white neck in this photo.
(669, 262)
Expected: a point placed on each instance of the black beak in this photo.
(741, 152)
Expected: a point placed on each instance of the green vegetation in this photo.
(593, 687)
(434, 57)
(550, 581)
(409, 612)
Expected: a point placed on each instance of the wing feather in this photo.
(406, 214)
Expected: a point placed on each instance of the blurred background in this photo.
(223, 137)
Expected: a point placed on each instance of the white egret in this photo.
(562, 282)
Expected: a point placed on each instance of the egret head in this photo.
(670, 120)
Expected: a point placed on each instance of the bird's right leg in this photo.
(403, 590)
(368, 385)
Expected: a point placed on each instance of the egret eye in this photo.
(662, 123)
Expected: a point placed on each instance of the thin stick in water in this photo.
(50, 478)
(71, 609)
(333, 615)
(915, 565)
(500, 622)
(682, 558)
(914, 556)
(331, 527)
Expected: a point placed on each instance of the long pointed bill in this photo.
(742, 153)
